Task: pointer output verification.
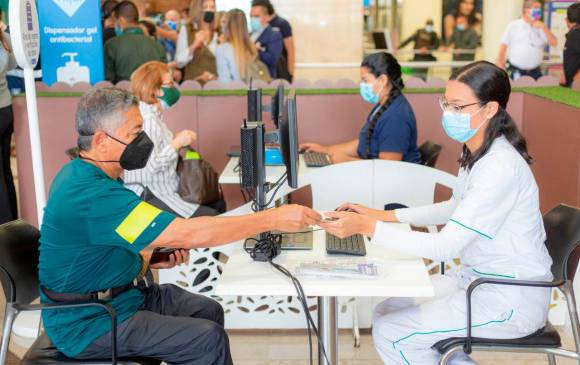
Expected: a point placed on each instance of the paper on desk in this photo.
(357, 268)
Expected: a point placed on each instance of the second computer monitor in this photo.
(288, 129)
(277, 105)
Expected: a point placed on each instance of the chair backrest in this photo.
(335, 184)
(407, 183)
(562, 225)
(430, 152)
(19, 260)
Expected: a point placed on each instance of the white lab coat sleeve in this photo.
(489, 197)
(432, 214)
(441, 246)
(182, 55)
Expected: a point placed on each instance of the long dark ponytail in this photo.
(378, 64)
(490, 83)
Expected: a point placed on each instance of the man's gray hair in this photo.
(101, 109)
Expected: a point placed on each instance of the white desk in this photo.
(405, 276)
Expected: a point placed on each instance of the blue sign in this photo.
(71, 41)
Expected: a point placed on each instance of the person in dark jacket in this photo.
(572, 46)
(268, 41)
(425, 40)
(126, 52)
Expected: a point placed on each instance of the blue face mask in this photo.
(255, 24)
(171, 24)
(458, 125)
(118, 30)
(429, 28)
(367, 93)
(461, 27)
(536, 14)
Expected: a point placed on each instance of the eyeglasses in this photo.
(450, 107)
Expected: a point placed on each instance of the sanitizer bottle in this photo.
(72, 72)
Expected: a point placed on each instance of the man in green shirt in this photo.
(132, 48)
(97, 235)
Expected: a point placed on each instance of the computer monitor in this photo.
(277, 105)
(288, 129)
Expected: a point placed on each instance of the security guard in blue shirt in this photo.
(97, 238)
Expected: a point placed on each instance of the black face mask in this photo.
(135, 155)
(208, 16)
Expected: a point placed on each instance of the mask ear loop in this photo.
(484, 121)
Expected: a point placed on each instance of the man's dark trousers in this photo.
(172, 325)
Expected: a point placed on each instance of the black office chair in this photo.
(19, 276)
(563, 243)
(429, 153)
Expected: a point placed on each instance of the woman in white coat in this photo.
(492, 223)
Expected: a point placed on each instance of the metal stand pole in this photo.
(328, 329)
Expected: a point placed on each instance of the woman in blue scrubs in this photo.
(390, 131)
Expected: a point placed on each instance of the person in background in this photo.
(390, 131)
(172, 20)
(425, 40)
(132, 48)
(197, 42)
(465, 9)
(493, 224)
(463, 41)
(287, 63)
(148, 28)
(524, 41)
(238, 51)
(108, 14)
(572, 46)
(153, 85)
(268, 41)
(8, 205)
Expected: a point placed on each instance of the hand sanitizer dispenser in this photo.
(72, 72)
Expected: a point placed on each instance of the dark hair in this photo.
(151, 28)
(490, 83)
(471, 18)
(265, 4)
(573, 13)
(128, 11)
(378, 64)
(108, 8)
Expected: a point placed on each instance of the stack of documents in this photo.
(339, 268)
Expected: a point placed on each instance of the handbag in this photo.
(198, 181)
(257, 70)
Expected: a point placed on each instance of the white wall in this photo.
(325, 31)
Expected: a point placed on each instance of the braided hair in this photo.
(378, 64)
(490, 83)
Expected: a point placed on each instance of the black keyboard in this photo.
(353, 245)
(316, 159)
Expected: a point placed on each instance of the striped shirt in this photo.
(160, 174)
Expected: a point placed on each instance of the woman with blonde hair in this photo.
(158, 182)
(197, 42)
(238, 56)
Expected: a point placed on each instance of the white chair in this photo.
(333, 185)
(407, 183)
